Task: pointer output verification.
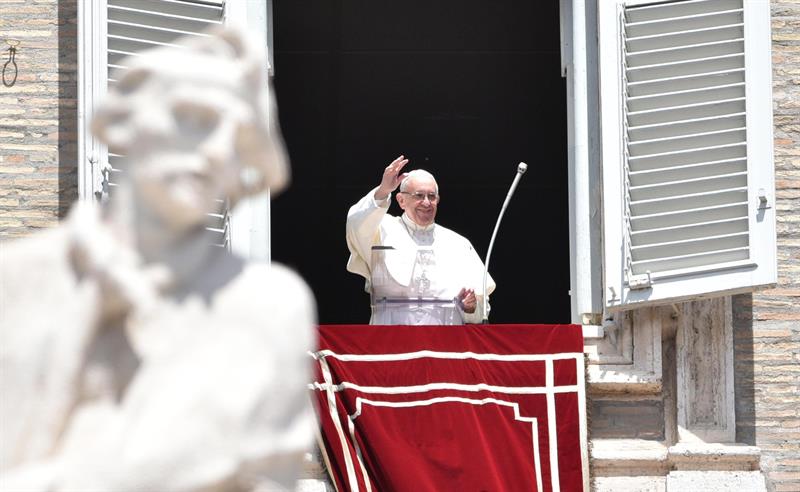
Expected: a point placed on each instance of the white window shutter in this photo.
(137, 25)
(109, 31)
(688, 179)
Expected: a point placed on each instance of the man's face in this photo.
(421, 211)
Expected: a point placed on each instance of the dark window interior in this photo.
(466, 89)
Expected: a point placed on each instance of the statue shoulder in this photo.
(278, 292)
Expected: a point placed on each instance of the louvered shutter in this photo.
(137, 25)
(688, 192)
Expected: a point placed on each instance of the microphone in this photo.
(520, 171)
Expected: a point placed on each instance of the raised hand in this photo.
(391, 178)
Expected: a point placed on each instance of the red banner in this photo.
(474, 407)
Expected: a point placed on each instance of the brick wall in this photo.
(767, 324)
(38, 115)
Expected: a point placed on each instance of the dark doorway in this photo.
(466, 89)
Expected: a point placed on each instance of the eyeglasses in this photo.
(419, 196)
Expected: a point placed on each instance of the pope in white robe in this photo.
(418, 272)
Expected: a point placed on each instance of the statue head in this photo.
(194, 124)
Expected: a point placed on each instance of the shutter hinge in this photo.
(100, 178)
(763, 200)
(636, 282)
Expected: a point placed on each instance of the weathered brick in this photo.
(771, 333)
(785, 475)
(778, 316)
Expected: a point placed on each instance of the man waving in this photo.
(411, 257)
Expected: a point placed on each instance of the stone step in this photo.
(628, 465)
(716, 481)
(719, 457)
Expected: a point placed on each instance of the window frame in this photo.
(249, 224)
(249, 221)
(92, 85)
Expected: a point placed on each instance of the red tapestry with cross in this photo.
(473, 407)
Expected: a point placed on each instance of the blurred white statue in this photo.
(134, 354)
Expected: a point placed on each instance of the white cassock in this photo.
(411, 261)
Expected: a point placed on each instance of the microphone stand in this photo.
(520, 171)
